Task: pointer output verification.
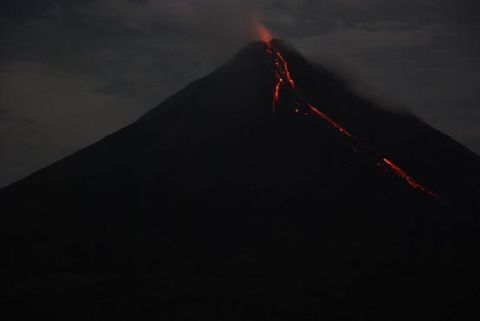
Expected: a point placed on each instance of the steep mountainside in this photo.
(266, 190)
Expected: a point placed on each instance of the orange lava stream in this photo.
(317, 112)
(410, 180)
(276, 94)
(284, 76)
(285, 69)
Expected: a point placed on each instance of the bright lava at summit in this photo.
(283, 76)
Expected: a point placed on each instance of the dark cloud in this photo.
(73, 71)
(6, 115)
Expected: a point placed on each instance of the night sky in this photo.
(72, 72)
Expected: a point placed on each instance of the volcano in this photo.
(267, 190)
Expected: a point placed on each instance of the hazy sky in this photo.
(72, 71)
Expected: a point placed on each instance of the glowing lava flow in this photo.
(285, 69)
(284, 76)
(276, 94)
(317, 112)
(412, 182)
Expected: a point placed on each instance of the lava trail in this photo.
(283, 76)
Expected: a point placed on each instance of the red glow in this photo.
(263, 33)
(276, 94)
(403, 174)
(285, 69)
(283, 75)
(317, 112)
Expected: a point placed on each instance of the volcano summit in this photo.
(267, 190)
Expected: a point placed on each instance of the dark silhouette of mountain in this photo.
(212, 207)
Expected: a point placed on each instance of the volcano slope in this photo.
(214, 207)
